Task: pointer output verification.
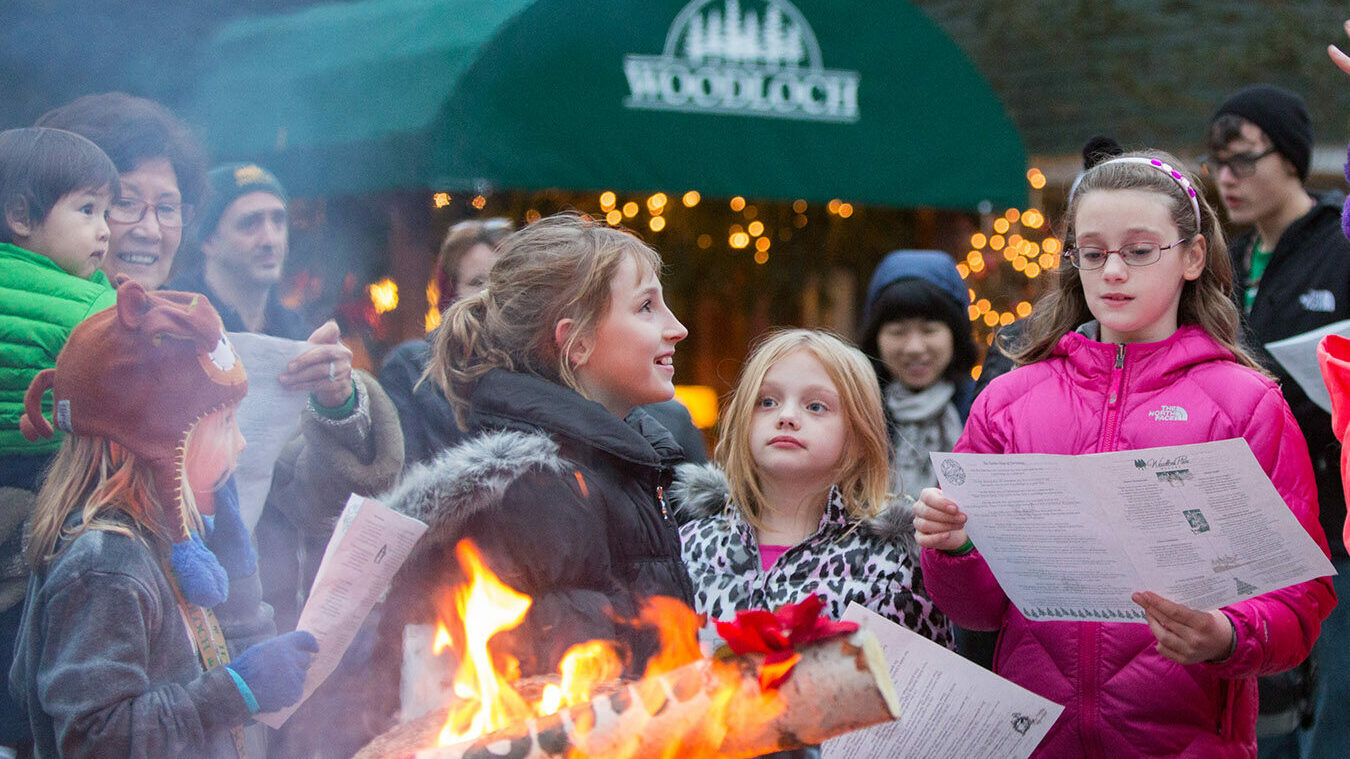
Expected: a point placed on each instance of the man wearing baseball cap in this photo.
(1291, 266)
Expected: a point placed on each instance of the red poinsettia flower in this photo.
(778, 634)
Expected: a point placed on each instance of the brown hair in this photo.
(559, 267)
(459, 240)
(1205, 302)
(39, 166)
(103, 480)
(865, 471)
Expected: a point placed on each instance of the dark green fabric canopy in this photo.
(868, 102)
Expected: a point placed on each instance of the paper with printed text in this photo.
(948, 706)
(369, 543)
(1071, 537)
(267, 417)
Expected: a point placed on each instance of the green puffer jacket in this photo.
(39, 305)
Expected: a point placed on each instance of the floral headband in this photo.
(1166, 168)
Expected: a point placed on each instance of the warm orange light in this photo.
(1012, 214)
(1019, 264)
(991, 318)
(691, 198)
(755, 228)
(532, 215)
(963, 270)
(630, 209)
(845, 210)
(1036, 178)
(1048, 261)
(978, 240)
(656, 202)
(704, 241)
(701, 401)
(614, 217)
(996, 242)
(1001, 226)
(738, 204)
(799, 220)
(799, 206)
(974, 312)
(761, 257)
(486, 607)
(1032, 271)
(657, 223)
(983, 305)
(383, 295)
(973, 258)
(1033, 219)
(607, 200)
(478, 202)
(1051, 245)
(440, 199)
(762, 244)
(1005, 318)
(738, 240)
(976, 371)
(833, 205)
(1024, 308)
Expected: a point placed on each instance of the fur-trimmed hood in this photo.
(471, 477)
(702, 490)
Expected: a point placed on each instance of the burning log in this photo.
(712, 707)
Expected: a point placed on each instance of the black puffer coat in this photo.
(564, 500)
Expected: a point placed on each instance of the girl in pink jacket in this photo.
(1135, 347)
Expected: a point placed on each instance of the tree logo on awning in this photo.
(757, 58)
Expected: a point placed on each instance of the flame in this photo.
(487, 607)
(485, 699)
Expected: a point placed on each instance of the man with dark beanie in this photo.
(1291, 274)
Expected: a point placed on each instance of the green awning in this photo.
(869, 102)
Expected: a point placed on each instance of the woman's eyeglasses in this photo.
(131, 211)
(1088, 258)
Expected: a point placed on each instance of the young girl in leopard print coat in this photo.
(797, 503)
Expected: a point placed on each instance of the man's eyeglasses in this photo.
(131, 211)
(1133, 254)
(1241, 164)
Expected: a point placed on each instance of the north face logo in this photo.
(1318, 300)
(1169, 414)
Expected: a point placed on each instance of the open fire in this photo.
(685, 705)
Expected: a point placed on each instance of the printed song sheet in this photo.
(369, 544)
(948, 706)
(267, 417)
(1298, 356)
(1071, 537)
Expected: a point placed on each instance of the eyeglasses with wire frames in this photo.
(132, 210)
(1088, 258)
(1242, 165)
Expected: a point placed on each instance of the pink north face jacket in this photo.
(1122, 698)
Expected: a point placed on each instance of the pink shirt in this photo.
(769, 554)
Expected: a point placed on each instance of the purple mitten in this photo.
(274, 671)
(1345, 212)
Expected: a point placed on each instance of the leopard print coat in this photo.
(873, 562)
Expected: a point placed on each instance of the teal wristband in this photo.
(244, 691)
(962, 550)
(335, 412)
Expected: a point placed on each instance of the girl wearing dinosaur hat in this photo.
(137, 545)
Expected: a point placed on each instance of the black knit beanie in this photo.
(227, 183)
(1281, 114)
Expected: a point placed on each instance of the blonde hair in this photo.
(100, 478)
(1204, 302)
(559, 267)
(864, 475)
